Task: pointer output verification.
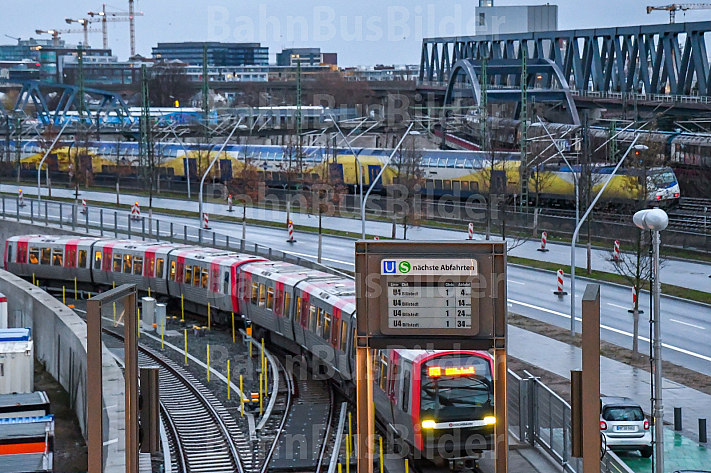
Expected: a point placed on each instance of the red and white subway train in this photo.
(439, 403)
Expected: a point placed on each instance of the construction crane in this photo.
(57, 33)
(84, 22)
(115, 17)
(675, 7)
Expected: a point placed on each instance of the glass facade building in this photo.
(218, 54)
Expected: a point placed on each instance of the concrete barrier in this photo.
(60, 345)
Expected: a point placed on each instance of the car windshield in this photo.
(447, 396)
(623, 414)
(664, 178)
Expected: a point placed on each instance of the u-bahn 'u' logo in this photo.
(389, 267)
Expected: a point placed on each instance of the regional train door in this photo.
(225, 170)
(190, 164)
(373, 171)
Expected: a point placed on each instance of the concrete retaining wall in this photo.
(60, 345)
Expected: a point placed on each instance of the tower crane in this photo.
(675, 7)
(116, 17)
(57, 33)
(84, 22)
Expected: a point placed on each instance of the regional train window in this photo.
(45, 256)
(160, 265)
(406, 392)
(97, 260)
(465, 185)
(82, 259)
(270, 298)
(117, 262)
(262, 295)
(34, 256)
(57, 257)
(312, 318)
(344, 335)
(205, 276)
(447, 185)
(127, 263)
(172, 270)
(138, 265)
(255, 292)
(326, 326)
(287, 305)
(188, 275)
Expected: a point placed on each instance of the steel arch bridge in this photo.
(669, 59)
(504, 78)
(111, 107)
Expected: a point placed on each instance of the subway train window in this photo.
(97, 260)
(160, 266)
(34, 256)
(82, 259)
(205, 278)
(188, 275)
(326, 326)
(127, 263)
(344, 335)
(287, 305)
(255, 292)
(172, 270)
(117, 262)
(46, 256)
(262, 295)
(57, 257)
(270, 298)
(196, 275)
(138, 265)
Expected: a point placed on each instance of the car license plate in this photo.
(625, 428)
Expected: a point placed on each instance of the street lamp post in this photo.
(382, 170)
(656, 220)
(212, 163)
(580, 224)
(360, 173)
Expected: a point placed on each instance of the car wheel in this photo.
(646, 452)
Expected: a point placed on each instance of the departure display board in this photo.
(426, 293)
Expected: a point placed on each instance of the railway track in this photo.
(202, 432)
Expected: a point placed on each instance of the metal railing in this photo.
(121, 224)
(538, 416)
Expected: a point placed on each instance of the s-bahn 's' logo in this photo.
(404, 267)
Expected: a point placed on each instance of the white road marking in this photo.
(687, 323)
(616, 330)
(617, 305)
(516, 282)
(322, 258)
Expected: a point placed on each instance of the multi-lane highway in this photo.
(686, 326)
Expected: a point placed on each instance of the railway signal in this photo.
(544, 242)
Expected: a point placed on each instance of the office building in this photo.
(218, 54)
(514, 19)
(306, 56)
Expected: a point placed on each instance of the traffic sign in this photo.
(435, 295)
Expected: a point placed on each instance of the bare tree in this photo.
(408, 182)
(245, 185)
(169, 83)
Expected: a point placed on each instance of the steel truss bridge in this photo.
(655, 60)
(108, 108)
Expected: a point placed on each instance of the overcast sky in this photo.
(362, 32)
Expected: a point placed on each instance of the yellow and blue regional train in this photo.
(457, 173)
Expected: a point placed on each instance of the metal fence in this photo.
(121, 224)
(538, 416)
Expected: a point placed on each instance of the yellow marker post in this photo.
(33, 279)
(76, 296)
(208, 316)
(228, 380)
(89, 295)
(208, 362)
(233, 327)
(114, 314)
(149, 291)
(64, 295)
(139, 322)
(162, 335)
(348, 456)
(241, 396)
(182, 308)
(407, 466)
(185, 334)
(114, 284)
(261, 376)
(350, 435)
(382, 467)
(340, 468)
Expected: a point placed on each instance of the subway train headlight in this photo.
(489, 420)
(428, 424)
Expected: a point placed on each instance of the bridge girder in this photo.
(666, 59)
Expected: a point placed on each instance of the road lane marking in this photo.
(316, 257)
(617, 305)
(517, 282)
(615, 330)
(687, 323)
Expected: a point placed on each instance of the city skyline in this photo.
(393, 31)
